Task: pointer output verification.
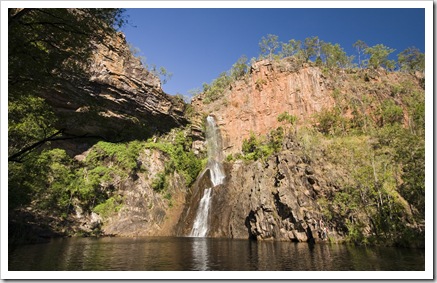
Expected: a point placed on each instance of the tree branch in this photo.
(13, 19)
(16, 157)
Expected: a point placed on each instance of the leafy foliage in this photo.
(239, 69)
(54, 181)
(360, 46)
(122, 155)
(291, 48)
(285, 116)
(335, 56)
(379, 57)
(218, 86)
(30, 120)
(182, 160)
(330, 122)
(111, 205)
(268, 45)
(332, 55)
(255, 148)
(311, 48)
(411, 59)
(391, 113)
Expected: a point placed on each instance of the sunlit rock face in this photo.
(253, 104)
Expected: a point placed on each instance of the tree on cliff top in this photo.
(411, 60)
(379, 57)
(268, 45)
(48, 49)
(360, 46)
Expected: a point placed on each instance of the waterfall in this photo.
(215, 166)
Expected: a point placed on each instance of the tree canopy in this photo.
(332, 55)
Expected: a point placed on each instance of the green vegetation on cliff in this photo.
(378, 142)
(182, 159)
(57, 186)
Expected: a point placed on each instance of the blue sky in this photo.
(196, 45)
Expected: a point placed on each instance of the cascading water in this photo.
(215, 166)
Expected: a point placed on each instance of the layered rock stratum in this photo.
(117, 99)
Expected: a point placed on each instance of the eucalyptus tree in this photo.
(411, 59)
(311, 48)
(268, 45)
(291, 48)
(360, 46)
(379, 56)
(335, 56)
(239, 69)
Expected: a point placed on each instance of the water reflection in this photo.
(200, 254)
(207, 254)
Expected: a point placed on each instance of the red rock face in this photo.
(253, 104)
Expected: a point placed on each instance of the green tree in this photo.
(335, 56)
(160, 72)
(215, 90)
(239, 69)
(30, 121)
(268, 45)
(289, 119)
(360, 46)
(292, 48)
(379, 56)
(311, 48)
(391, 113)
(47, 46)
(411, 60)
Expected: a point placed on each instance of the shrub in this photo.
(255, 148)
(291, 119)
(160, 182)
(390, 113)
(111, 205)
(330, 122)
(259, 84)
(218, 86)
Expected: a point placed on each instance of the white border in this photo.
(427, 274)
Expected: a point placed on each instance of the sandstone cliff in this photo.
(283, 196)
(311, 177)
(253, 104)
(117, 100)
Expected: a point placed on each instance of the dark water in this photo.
(148, 254)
